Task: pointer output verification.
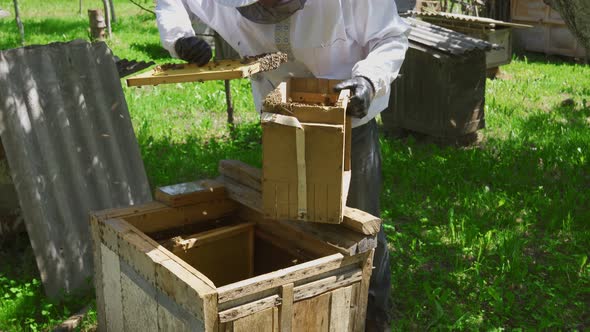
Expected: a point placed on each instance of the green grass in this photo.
(484, 238)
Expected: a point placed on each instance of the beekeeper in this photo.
(362, 42)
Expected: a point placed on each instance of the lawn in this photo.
(489, 237)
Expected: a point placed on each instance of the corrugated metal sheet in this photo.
(444, 40)
(484, 21)
(71, 148)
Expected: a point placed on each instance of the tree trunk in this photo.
(107, 17)
(19, 23)
(113, 17)
(576, 14)
(80, 7)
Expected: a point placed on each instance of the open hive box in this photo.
(306, 151)
(205, 259)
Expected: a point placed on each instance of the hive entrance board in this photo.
(214, 70)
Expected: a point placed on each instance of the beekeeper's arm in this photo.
(177, 34)
(376, 25)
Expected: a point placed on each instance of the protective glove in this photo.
(193, 49)
(363, 93)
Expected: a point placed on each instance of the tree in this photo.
(576, 14)
(19, 23)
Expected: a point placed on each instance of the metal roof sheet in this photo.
(71, 148)
(444, 40)
(468, 18)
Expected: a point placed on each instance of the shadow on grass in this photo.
(154, 51)
(23, 306)
(168, 162)
(532, 57)
(494, 236)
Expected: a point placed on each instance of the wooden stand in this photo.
(97, 24)
(209, 261)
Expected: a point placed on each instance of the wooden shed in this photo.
(440, 91)
(549, 35)
(204, 258)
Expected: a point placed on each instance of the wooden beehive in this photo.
(306, 151)
(207, 260)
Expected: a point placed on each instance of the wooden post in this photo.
(97, 24)
(19, 23)
(230, 106)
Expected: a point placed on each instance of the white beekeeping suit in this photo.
(333, 39)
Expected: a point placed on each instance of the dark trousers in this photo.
(364, 194)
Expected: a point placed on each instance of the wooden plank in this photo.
(312, 289)
(278, 278)
(98, 273)
(190, 193)
(261, 322)
(312, 314)
(326, 99)
(111, 288)
(361, 312)
(181, 244)
(251, 248)
(165, 218)
(249, 308)
(141, 255)
(347, 144)
(188, 291)
(140, 309)
(346, 241)
(224, 262)
(126, 211)
(354, 297)
(286, 310)
(182, 73)
(169, 322)
(242, 173)
(361, 221)
(287, 245)
(120, 227)
(242, 193)
(340, 309)
(276, 325)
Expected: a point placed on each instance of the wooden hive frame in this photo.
(153, 269)
(306, 151)
(214, 70)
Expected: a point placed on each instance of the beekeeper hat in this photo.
(236, 3)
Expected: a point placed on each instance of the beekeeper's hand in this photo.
(362, 93)
(193, 49)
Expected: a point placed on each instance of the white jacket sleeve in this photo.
(377, 27)
(174, 22)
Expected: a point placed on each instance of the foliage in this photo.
(496, 236)
(23, 305)
(485, 238)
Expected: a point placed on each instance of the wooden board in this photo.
(243, 184)
(214, 70)
(190, 193)
(312, 314)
